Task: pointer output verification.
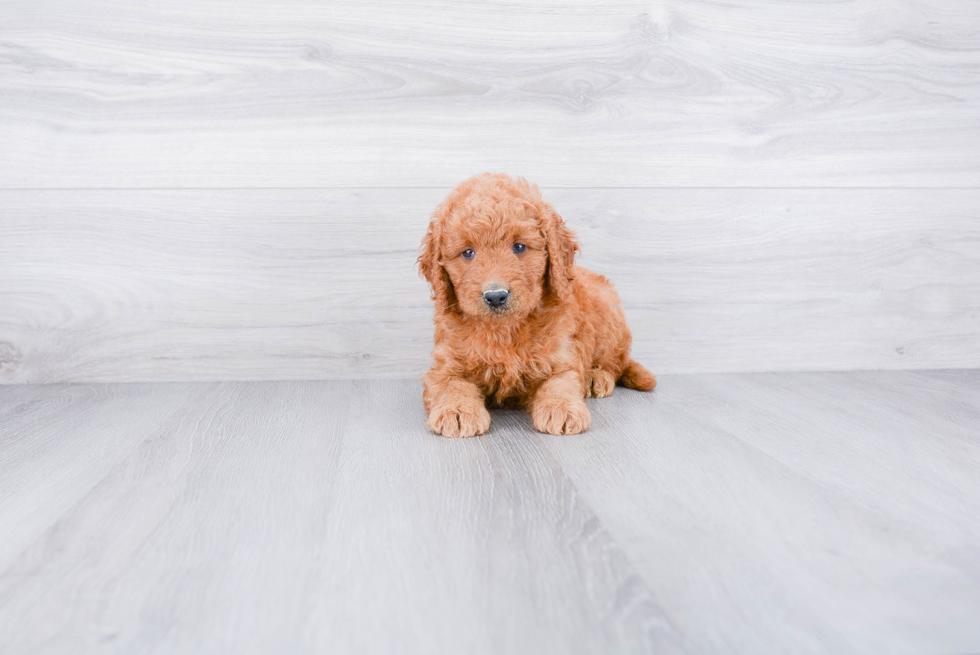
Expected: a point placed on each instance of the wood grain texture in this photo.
(308, 517)
(311, 284)
(57, 444)
(105, 93)
(804, 513)
(877, 494)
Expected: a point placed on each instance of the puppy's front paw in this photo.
(561, 416)
(466, 419)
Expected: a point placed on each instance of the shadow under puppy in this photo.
(517, 324)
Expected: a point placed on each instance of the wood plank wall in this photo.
(237, 190)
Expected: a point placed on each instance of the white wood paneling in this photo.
(210, 190)
(294, 284)
(207, 93)
(766, 513)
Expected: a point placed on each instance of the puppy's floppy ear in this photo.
(431, 268)
(561, 252)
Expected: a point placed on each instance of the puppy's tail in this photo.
(636, 377)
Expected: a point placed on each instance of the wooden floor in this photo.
(751, 513)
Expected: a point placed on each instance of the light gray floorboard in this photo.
(311, 517)
(106, 286)
(57, 443)
(107, 93)
(819, 512)
(801, 512)
(964, 379)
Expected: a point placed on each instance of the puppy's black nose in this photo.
(496, 298)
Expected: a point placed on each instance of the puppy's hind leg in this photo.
(635, 376)
(600, 383)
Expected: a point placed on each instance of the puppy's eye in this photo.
(469, 253)
(519, 248)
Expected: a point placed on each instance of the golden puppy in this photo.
(517, 323)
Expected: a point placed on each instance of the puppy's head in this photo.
(496, 250)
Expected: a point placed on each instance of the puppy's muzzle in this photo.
(496, 298)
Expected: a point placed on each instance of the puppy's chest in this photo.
(510, 372)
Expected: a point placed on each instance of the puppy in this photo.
(517, 324)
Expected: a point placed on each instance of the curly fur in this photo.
(562, 336)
